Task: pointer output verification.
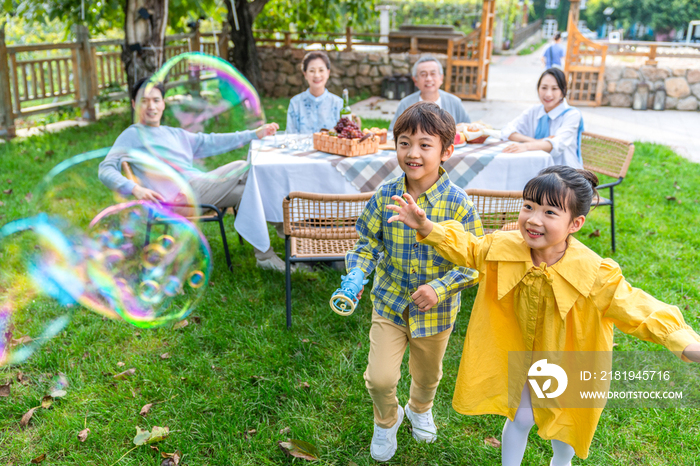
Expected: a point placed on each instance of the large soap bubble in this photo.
(138, 261)
(203, 94)
(143, 262)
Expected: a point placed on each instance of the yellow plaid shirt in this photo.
(402, 264)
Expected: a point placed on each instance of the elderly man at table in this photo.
(428, 76)
(222, 187)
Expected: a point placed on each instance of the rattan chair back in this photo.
(605, 155)
(323, 216)
(498, 210)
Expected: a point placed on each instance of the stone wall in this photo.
(682, 86)
(354, 71)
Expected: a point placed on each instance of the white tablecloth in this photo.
(274, 173)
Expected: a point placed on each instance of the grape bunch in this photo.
(348, 129)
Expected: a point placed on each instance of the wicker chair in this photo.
(498, 210)
(211, 213)
(318, 227)
(610, 157)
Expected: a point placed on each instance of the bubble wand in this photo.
(344, 299)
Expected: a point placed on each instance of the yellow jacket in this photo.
(570, 306)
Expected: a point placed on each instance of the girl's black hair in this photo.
(564, 187)
(558, 75)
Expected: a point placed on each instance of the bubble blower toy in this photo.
(344, 299)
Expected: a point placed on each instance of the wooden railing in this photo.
(652, 50)
(40, 78)
(290, 39)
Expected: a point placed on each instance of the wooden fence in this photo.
(41, 78)
(652, 50)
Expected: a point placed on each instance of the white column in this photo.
(384, 21)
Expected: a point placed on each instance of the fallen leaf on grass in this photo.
(492, 442)
(165, 356)
(28, 197)
(125, 374)
(20, 341)
(39, 459)
(171, 459)
(27, 416)
(670, 198)
(595, 234)
(141, 436)
(46, 402)
(158, 434)
(181, 324)
(83, 434)
(5, 390)
(2, 203)
(49, 153)
(196, 319)
(299, 449)
(7, 191)
(121, 364)
(304, 385)
(285, 431)
(145, 409)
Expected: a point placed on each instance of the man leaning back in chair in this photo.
(222, 187)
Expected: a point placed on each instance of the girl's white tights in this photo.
(515, 435)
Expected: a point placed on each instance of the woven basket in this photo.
(345, 147)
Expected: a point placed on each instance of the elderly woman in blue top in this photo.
(551, 126)
(315, 108)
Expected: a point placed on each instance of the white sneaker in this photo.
(424, 429)
(271, 263)
(384, 443)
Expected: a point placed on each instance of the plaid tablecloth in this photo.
(275, 172)
(367, 172)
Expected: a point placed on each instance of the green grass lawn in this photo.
(236, 377)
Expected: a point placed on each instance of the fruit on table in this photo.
(460, 138)
(347, 129)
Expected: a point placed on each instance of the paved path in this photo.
(512, 89)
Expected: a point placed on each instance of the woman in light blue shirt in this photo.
(314, 108)
(552, 126)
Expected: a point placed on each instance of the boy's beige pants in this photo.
(388, 343)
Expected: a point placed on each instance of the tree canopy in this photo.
(661, 16)
(104, 15)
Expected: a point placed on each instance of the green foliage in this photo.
(105, 16)
(318, 15)
(660, 16)
(462, 14)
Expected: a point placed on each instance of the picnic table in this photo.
(277, 171)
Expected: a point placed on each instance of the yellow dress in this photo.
(570, 306)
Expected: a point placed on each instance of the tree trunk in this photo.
(144, 38)
(244, 54)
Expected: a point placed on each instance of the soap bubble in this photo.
(203, 94)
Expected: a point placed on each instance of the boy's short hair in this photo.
(430, 118)
(139, 84)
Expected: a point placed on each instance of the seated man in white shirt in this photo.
(222, 187)
(428, 77)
